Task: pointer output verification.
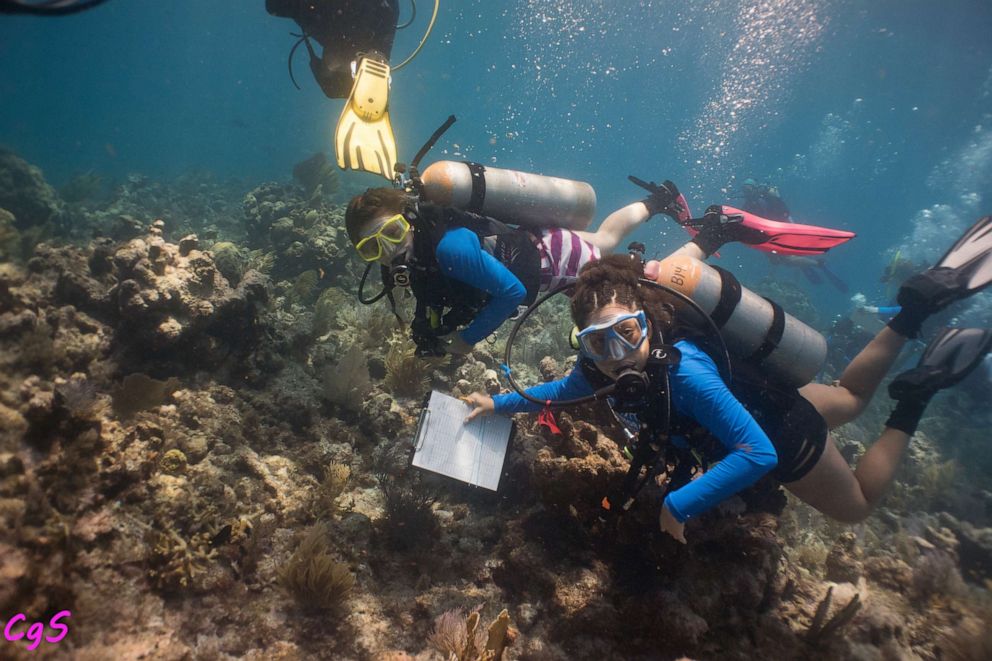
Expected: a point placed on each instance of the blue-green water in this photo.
(862, 113)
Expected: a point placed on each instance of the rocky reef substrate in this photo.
(204, 454)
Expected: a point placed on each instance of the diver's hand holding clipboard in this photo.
(472, 451)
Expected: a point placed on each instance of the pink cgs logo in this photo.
(36, 632)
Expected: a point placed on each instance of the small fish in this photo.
(235, 533)
(222, 537)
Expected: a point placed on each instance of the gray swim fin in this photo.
(971, 256)
(948, 359)
(964, 270)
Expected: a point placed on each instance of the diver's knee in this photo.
(854, 514)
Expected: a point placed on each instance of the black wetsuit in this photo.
(344, 29)
(762, 202)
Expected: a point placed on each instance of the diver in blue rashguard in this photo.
(751, 427)
(469, 273)
(698, 393)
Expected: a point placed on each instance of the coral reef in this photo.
(10, 238)
(82, 187)
(25, 193)
(201, 461)
(317, 176)
(231, 261)
(166, 302)
(302, 233)
(791, 297)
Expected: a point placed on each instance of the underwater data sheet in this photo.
(471, 452)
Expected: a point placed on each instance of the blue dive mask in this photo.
(615, 338)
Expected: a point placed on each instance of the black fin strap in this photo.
(730, 296)
(478, 172)
(773, 336)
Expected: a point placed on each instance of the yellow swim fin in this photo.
(363, 139)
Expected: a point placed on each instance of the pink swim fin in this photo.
(771, 235)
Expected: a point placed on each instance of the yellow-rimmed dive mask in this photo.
(393, 231)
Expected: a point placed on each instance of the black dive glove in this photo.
(717, 228)
(664, 199)
(428, 343)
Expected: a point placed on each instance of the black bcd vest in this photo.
(514, 248)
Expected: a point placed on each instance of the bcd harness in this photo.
(650, 450)
(443, 302)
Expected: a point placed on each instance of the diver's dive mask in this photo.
(615, 338)
(384, 240)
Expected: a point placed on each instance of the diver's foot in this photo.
(715, 229)
(966, 268)
(951, 356)
(925, 294)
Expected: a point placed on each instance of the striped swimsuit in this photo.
(563, 253)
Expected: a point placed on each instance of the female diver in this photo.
(478, 268)
(759, 430)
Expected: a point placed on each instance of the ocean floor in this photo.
(204, 454)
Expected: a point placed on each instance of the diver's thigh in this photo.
(835, 403)
(831, 487)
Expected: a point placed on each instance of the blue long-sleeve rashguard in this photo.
(698, 392)
(460, 256)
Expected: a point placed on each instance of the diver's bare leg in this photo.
(846, 495)
(841, 403)
(616, 227)
(693, 250)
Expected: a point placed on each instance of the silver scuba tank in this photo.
(754, 328)
(530, 200)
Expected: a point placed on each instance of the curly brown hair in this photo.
(373, 203)
(614, 279)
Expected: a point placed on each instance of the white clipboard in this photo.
(472, 452)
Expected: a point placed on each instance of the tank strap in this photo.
(730, 296)
(773, 336)
(478, 198)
